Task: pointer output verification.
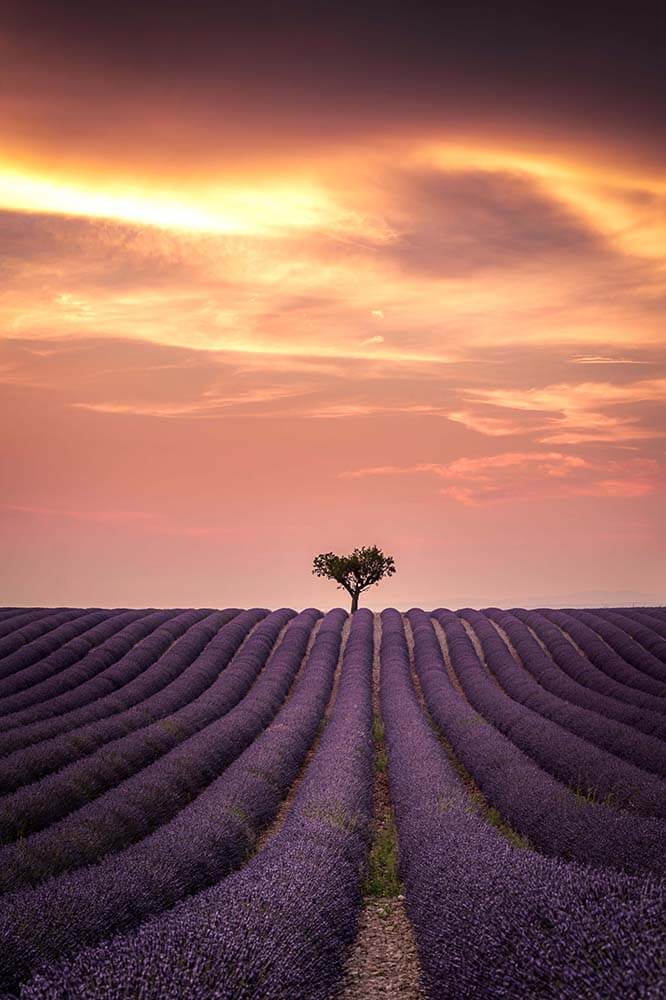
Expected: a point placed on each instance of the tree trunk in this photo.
(354, 606)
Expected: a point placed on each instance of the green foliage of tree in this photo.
(354, 573)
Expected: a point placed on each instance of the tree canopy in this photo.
(363, 568)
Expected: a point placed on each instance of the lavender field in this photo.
(190, 807)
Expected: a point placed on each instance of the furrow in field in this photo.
(27, 686)
(638, 643)
(617, 632)
(74, 765)
(654, 612)
(606, 656)
(12, 612)
(648, 728)
(647, 618)
(14, 619)
(282, 926)
(383, 961)
(493, 919)
(547, 671)
(481, 804)
(97, 648)
(114, 689)
(211, 836)
(135, 806)
(31, 644)
(332, 623)
(531, 801)
(597, 758)
(160, 662)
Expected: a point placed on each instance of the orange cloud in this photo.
(221, 285)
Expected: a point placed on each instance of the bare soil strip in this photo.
(384, 960)
(510, 646)
(478, 649)
(444, 645)
(573, 642)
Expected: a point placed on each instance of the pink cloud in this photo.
(519, 476)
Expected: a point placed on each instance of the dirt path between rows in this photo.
(384, 961)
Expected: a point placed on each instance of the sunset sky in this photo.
(298, 278)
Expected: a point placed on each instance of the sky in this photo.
(294, 278)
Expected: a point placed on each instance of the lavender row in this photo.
(108, 692)
(23, 686)
(53, 795)
(202, 844)
(493, 920)
(619, 637)
(558, 737)
(137, 805)
(591, 718)
(657, 613)
(648, 618)
(590, 665)
(630, 609)
(6, 613)
(551, 816)
(282, 926)
(27, 659)
(79, 660)
(17, 618)
(36, 624)
(644, 638)
(606, 659)
(203, 692)
(183, 673)
(559, 669)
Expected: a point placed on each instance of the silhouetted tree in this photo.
(355, 573)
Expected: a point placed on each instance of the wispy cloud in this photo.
(393, 306)
(521, 476)
(484, 423)
(210, 404)
(600, 359)
(335, 410)
(569, 413)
